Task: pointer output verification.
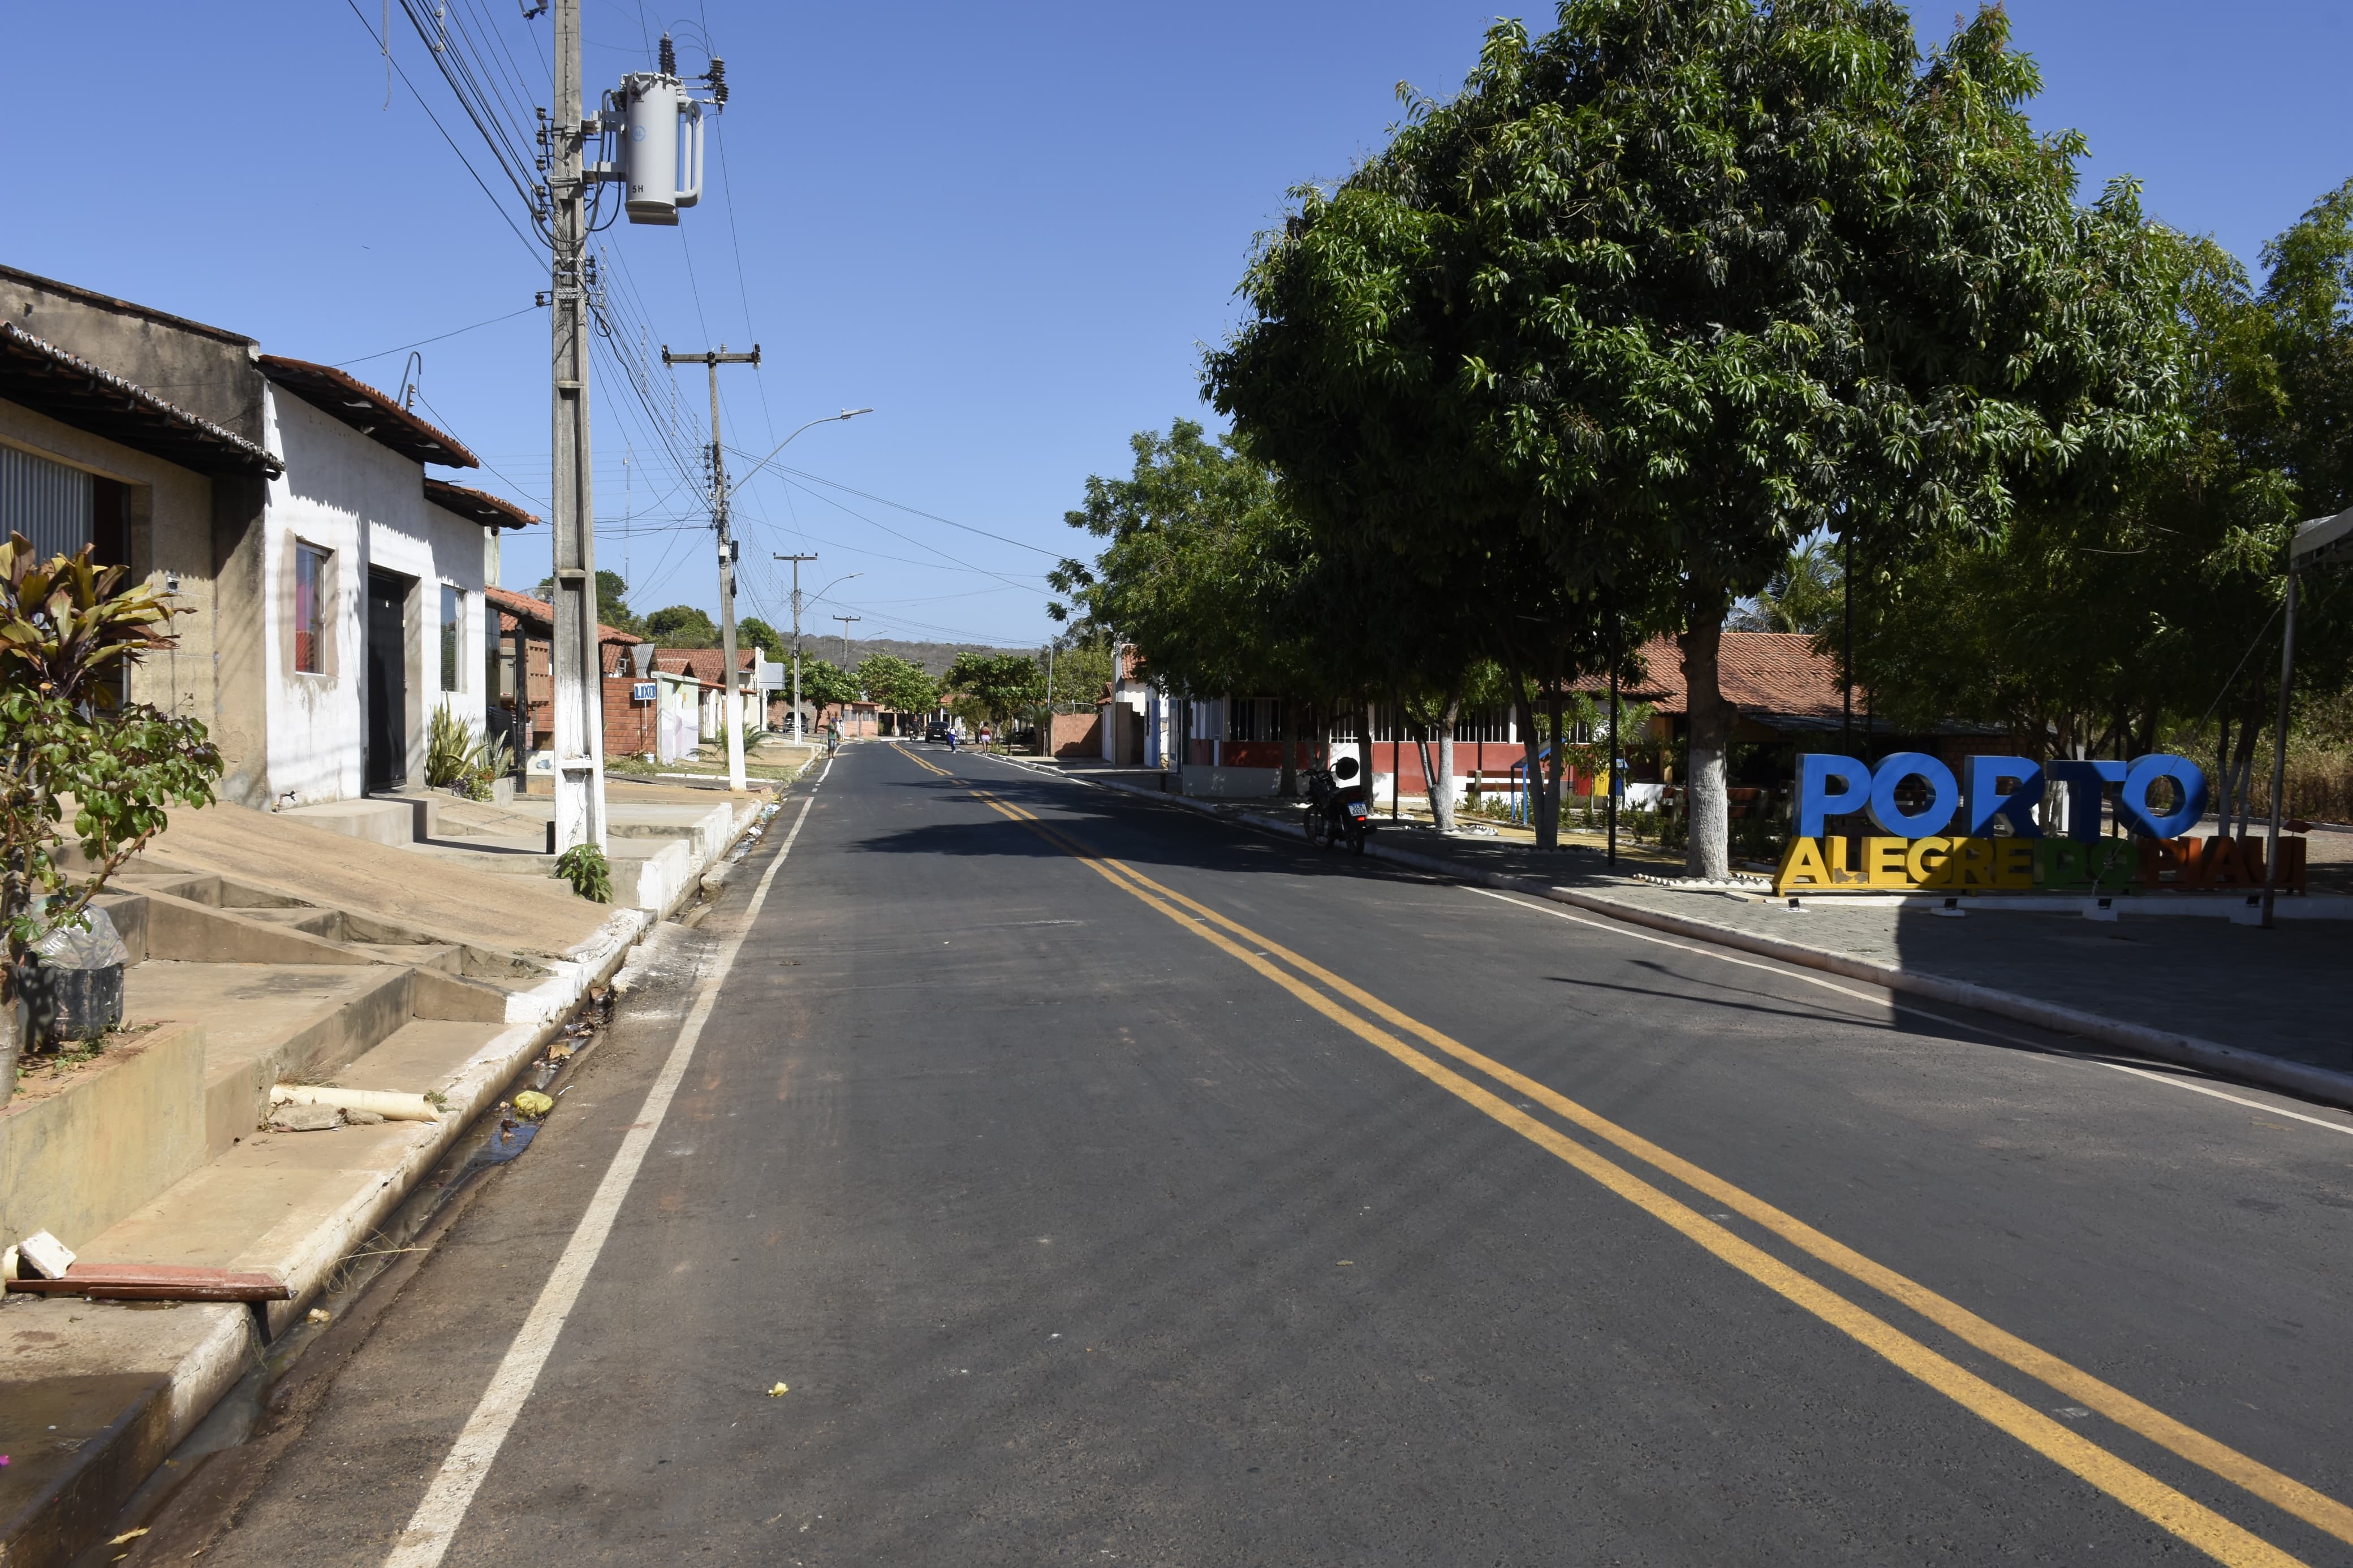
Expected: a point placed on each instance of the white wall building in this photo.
(374, 587)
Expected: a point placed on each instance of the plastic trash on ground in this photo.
(99, 947)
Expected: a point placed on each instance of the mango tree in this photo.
(1672, 287)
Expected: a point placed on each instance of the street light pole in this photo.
(796, 561)
(846, 622)
(711, 360)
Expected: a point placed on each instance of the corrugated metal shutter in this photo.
(47, 502)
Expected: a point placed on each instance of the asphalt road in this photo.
(1115, 1187)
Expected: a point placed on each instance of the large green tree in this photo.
(612, 601)
(897, 684)
(682, 626)
(2081, 627)
(824, 683)
(754, 632)
(1674, 286)
(993, 686)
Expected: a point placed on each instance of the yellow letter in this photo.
(2014, 863)
(1883, 862)
(1802, 867)
(1926, 863)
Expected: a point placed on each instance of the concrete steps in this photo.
(294, 1203)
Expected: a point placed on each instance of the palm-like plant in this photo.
(1802, 597)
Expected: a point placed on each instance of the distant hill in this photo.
(935, 657)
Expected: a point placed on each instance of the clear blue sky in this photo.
(1007, 227)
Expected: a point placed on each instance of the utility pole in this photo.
(796, 561)
(846, 621)
(711, 360)
(1046, 751)
(578, 676)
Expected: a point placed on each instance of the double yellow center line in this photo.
(1382, 1026)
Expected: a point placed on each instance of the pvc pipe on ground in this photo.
(387, 1103)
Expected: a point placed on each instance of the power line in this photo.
(380, 353)
(507, 218)
(933, 548)
(901, 506)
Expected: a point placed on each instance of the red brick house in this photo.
(520, 692)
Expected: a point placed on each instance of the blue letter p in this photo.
(1818, 772)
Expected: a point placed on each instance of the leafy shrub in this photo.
(591, 876)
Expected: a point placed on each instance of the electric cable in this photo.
(536, 255)
(380, 353)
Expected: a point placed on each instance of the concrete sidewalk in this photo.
(2264, 1006)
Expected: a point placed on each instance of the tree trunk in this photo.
(1532, 791)
(2250, 732)
(1289, 784)
(10, 1044)
(1557, 781)
(1441, 783)
(1707, 810)
(2224, 775)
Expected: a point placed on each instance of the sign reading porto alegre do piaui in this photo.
(2001, 846)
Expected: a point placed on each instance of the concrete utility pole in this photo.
(578, 675)
(846, 621)
(713, 359)
(796, 561)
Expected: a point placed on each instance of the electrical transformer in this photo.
(661, 129)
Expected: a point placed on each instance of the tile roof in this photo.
(706, 664)
(516, 610)
(480, 506)
(1760, 673)
(72, 391)
(341, 396)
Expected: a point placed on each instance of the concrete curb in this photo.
(2335, 1088)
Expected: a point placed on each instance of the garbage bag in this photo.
(97, 947)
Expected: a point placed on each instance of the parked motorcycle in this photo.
(1336, 808)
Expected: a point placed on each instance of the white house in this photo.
(376, 578)
(331, 592)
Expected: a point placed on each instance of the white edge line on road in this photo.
(1617, 929)
(434, 1525)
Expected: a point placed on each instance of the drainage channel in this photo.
(219, 1465)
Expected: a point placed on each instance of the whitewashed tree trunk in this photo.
(1708, 810)
(1442, 795)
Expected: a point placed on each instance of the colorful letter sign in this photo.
(2003, 845)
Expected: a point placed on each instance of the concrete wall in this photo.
(205, 370)
(465, 556)
(171, 532)
(364, 504)
(209, 373)
(74, 1161)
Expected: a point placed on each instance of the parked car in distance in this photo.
(938, 731)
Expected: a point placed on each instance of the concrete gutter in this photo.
(2321, 1084)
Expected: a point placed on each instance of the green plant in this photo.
(450, 747)
(69, 630)
(591, 876)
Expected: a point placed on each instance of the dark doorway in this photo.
(385, 762)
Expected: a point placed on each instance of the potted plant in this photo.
(70, 631)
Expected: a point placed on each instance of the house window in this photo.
(453, 626)
(310, 609)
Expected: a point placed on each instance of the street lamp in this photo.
(820, 594)
(830, 418)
